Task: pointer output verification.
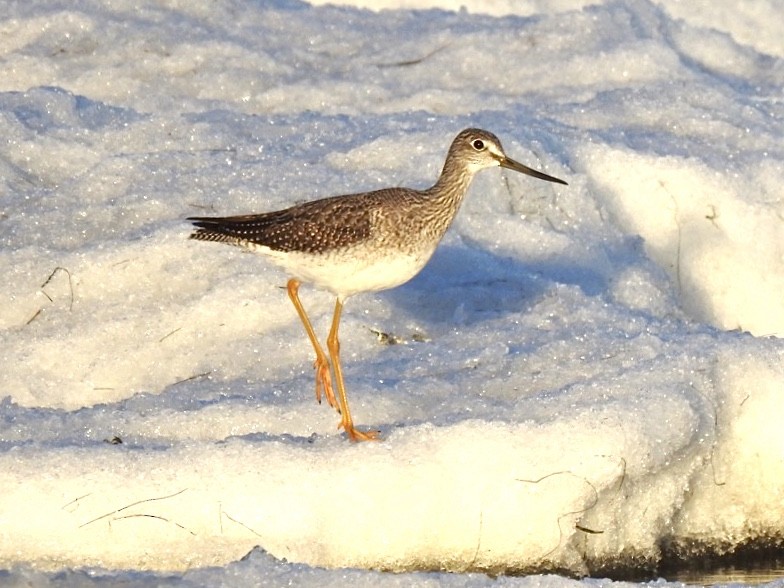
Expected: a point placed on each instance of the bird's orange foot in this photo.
(357, 435)
(324, 382)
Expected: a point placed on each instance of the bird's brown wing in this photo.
(312, 227)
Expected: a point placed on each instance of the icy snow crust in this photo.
(584, 378)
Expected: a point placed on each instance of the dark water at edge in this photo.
(729, 575)
(752, 563)
(745, 566)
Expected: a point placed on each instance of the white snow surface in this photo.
(584, 378)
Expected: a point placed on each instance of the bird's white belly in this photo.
(348, 274)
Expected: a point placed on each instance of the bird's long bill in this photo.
(523, 169)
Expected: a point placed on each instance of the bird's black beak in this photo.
(523, 169)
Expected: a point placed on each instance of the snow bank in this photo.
(583, 379)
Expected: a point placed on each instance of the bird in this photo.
(362, 242)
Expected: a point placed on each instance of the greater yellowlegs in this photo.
(361, 243)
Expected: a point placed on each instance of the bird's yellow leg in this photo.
(333, 345)
(323, 375)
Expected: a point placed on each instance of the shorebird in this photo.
(362, 242)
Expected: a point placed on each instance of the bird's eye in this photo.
(478, 144)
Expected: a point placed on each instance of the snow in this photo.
(585, 378)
